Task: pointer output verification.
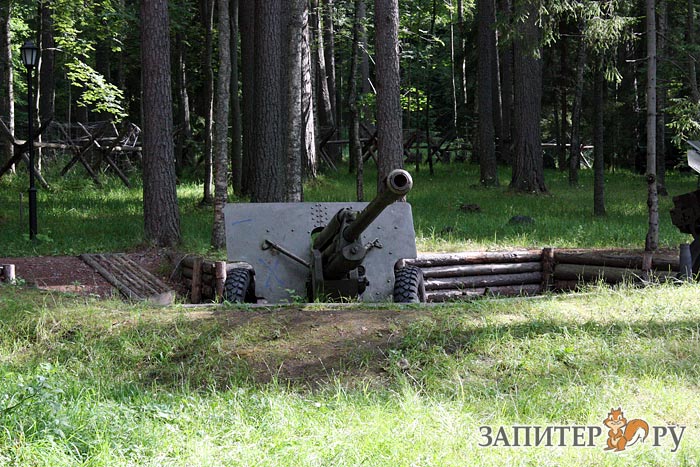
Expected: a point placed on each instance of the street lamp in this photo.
(30, 58)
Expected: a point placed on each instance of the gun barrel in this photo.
(398, 184)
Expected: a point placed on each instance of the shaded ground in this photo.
(311, 345)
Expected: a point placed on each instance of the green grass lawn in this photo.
(107, 384)
(96, 383)
(75, 217)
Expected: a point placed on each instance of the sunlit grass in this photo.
(76, 216)
(105, 384)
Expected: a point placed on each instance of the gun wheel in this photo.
(409, 286)
(239, 286)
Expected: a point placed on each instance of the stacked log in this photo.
(205, 279)
(7, 273)
(573, 267)
(452, 276)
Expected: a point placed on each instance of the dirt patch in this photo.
(71, 274)
(312, 345)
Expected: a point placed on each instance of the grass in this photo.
(109, 384)
(75, 217)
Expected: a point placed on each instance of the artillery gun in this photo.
(286, 252)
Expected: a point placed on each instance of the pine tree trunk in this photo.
(598, 140)
(563, 99)
(528, 170)
(389, 121)
(690, 39)
(323, 103)
(661, 103)
(160, 209)
(269, 107)
(207, 12)
(223, 89)
(486, 45)
(47, 91)
(652, 239)
(329, 53)
(353, 104)
(246, 20)
(295, 123)
(506, 67)
(236, 130)
(183, 156)
(576, 111)
(7, 99)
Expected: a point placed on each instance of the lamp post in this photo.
(30, 58)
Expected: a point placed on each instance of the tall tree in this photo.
(506, 62)
(47, 86)
(295, 119)
(323, 96)
(236, 125)
(207, 18)
(661, 97)
(160, 209)
(598, 139)
(652, 238)
(269, 104)
(246, 18)
(528, 169)
(7, 96)
(576, 111)
(184, 119)
(389, 133)
(329, 55)
(223, 88)
(353, 104)
(486, 45)
(690, 39)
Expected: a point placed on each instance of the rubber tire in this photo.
(239, 287)
(409, 286)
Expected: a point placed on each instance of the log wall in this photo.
(455, 276)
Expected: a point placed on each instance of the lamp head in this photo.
(30, 54)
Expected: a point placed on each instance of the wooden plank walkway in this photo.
(133, 281)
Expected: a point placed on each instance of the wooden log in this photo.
(611, 275)
(207, 266)
(483, 281)
(188, 273)
(474, 257)
(614, 259)
(196, 291)
(133, 276)
(547, 267)
(147, 276)
(121, 286)
(508, 291)
(207, 290)
(219, 279)
(481, 269)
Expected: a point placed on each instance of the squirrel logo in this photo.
(622, 432)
